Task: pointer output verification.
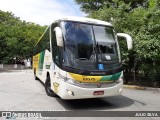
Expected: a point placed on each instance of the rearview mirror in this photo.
(128, 38)
(59, 36)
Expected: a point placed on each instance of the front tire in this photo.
(48, 89)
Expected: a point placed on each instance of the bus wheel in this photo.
(48, 89)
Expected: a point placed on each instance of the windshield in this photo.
(88, 45)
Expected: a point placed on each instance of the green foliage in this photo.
(90, 6)
(143, 24)
(17, 38)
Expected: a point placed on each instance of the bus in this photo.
(78, 58)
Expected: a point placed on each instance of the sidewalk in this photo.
(21, 70)
(140, 87)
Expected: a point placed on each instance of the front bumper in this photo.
(81, 93)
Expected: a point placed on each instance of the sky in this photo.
(41, 12)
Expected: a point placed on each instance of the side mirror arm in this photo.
(59, 36)
(128, 39)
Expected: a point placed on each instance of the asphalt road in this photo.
(19, 91)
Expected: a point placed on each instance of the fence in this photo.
(144, 80)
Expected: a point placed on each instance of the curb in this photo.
(140, 87)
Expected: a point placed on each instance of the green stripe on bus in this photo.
(111, 77)
(41, 60)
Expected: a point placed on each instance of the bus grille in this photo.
(97, 85)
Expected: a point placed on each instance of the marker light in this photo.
(120, 90)
(120, 80)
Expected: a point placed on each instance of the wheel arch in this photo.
(47, 75)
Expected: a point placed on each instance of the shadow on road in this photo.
(97, 103)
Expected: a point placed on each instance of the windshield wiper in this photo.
(99, 52)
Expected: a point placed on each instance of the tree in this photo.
(90, 6)
(17, 38)
(142, 23)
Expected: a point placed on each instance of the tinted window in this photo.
(43, 44)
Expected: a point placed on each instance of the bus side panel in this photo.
(41, 62)
(46, 64)
(38, 61)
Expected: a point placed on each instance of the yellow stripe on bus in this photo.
(83, 78)
(36, 61)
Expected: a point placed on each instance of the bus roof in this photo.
(85, 20)
(80, 19)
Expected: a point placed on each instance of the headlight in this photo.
(68, 80)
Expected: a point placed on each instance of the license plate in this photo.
(98, 93)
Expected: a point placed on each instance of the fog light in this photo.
(120, 80)
(70, 93)
(120, 90)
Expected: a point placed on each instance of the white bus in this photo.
(80, 58)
